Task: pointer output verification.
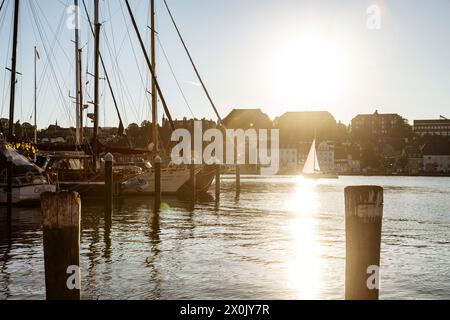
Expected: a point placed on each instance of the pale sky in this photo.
(279, 55)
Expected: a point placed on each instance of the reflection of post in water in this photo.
(154, 235)
(6, 243)
(107, 240)
(93, 252)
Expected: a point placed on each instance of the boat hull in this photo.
(144, 184)
(29, 194)
(320, 176)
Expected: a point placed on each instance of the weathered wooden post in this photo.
(109, 187)
(61, 213)
(217, 182)
(9, 179)
(157, 164)
(363, 220)
(193, 181)
(238, 180)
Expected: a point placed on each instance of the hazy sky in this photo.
(282, 55)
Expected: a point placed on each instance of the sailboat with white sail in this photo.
(312, 169)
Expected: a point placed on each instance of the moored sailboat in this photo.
(311, 169)
(28, 180)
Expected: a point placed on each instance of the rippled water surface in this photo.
(283, 238)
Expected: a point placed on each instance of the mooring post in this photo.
(363, 220)
(157, 164)
(61, 213)
(238, 180)
(193, 181)
(217, 182)
(109, 187)
(9, 178)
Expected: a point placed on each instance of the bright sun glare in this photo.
(304, 267)
(306, 69)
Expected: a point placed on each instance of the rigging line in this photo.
(40, 31)
(5, 82)
(175, 78)
(1, 6)
(193, 64)
(53, 44)
(118, 78)
(3, 15)
(144, 85)
(43, 90)
(149, 65)
(44, 39)
(104, 68)
(112, 60)
(118, 73)
(137, 66)
(57, 38)
(114, 56)
(137, 107)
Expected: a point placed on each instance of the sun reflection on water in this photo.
(305, 265)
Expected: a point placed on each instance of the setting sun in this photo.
(306, 69)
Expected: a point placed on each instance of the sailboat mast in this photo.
(77, 75)
(96, 81)
(314, 144)
(13, 71)
(154, 90)
(80, 85)
(35, 95)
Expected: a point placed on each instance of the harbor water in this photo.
(282, 238)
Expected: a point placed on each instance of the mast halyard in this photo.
(77, 76)
(154, 90)
(13, 71)
(80, 85)
(36, 56)
(149, 64)
(96, 82)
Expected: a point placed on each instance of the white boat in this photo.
(311, 169)
(172, 179)
(28, 180)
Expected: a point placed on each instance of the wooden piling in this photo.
(9, 190)
(238, 180)
(109, 186)
(363, 221)
(217, 182)
(61, 213)
(157, 164)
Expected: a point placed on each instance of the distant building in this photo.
(436, 157)
(56, 134)
(415, 159)
(288, 160)
(247, 119)
(325, 156)
(347, 159)
(305, 126)
(440, 127)
(378, 124)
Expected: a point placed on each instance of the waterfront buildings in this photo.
(378, 124)
(436, 157)
(440, 127)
